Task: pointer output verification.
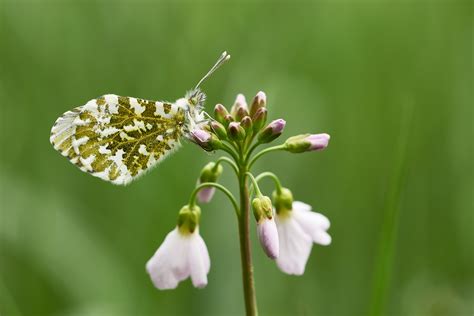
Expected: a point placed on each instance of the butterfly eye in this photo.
(193, 101)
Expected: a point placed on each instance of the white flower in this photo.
(181, 255)
(297, 230)
(268, 237)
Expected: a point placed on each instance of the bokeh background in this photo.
(391, 81)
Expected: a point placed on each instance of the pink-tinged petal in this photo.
(318, 141)
(166, 268)
(268, 237)
(200, 136)
(313, 224)
(179, 257)
(199, 261)
(240, 100)
(295, 246)
(205, 195)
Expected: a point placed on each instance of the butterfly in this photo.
(118, 138)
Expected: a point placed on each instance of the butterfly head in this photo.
(195, 98)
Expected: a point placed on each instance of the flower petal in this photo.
(295, 246)
(313, 224)
(199, 261)
(323, 221)
(168, 265)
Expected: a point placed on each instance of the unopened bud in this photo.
(271, 131)
(262, 207)
(259, 119)
(206, 140)
(307, 142)
(241, 113)
(246, 123)
(283, 201)
(219, 129)
(210, 173)
(220, 112)
(240, 102)
(268, 236)
(259, 101)
(188, 219)
(236, 132)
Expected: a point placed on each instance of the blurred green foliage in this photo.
(71, 244)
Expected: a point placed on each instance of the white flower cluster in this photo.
(288, 238)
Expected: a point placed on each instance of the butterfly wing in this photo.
(118, 138)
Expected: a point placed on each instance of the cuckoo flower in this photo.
(298, 228)
(182, 254)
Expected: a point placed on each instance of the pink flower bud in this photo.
(271, 131)
(307, 142)
(318, 141)
(205, 140)
(259, 101)
(268, 237)
(205, 194)
(236, 131)
(200, 136)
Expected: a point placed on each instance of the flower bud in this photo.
(307, 142)
(227, 120)
(271, 131)
(246, 123)
(268, 236)
(236, 132)
(240, 103)
(205, 140)
(241, 113)
(259, 119)
(210, 173)
(259, 101)
(218, 129)
(220, 112)
(283, 201)
(188, 218)
(262, 208)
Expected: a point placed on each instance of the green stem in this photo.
(192, 199)
(245, 251)
(254, 183)
(274, 178)
(230, 162)
(230, 151)
(263, 152)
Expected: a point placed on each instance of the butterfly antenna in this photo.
(224, 57)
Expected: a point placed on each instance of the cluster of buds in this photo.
(241, 124)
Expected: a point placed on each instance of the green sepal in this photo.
(262, 207)
(283, 201)
(188, 219)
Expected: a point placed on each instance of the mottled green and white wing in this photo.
(118, 138)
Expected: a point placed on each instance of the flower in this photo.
(181, 255)
(307, 142)
(297, 229)
(268, 237)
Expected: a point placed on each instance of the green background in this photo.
(391, 81)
